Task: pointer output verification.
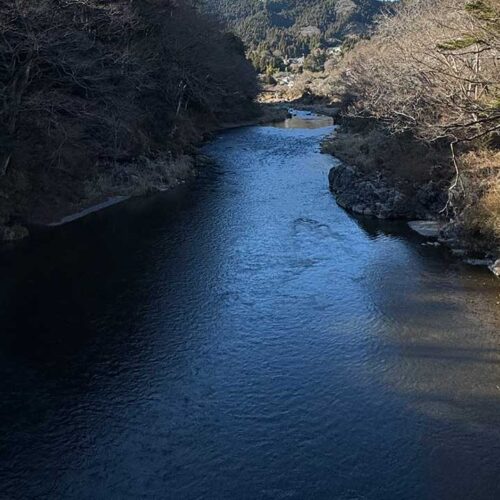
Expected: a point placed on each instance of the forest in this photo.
(274, 30)
(89, 89)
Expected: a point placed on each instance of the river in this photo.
(244, 337)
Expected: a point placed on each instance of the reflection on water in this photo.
(305, 120)
(246, 338)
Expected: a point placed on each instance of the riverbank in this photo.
(66, 198)
(111, 102)
(385, 176)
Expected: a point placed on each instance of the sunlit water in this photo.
(246, 338)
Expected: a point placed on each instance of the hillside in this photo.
(105, 98)
(275, 30)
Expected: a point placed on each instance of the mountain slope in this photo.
(277, 29)
(102, 98)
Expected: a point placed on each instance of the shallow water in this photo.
(246, 338)
(305, 119)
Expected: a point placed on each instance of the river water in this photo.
(244, 337)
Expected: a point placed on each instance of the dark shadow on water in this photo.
(57, 287)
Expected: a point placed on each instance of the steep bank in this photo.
(103, 100)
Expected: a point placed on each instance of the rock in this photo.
(341, 177)
(13, 233)
(367, 194)
(378, 194)
(495, 268)
(427, 228)
(431, 197)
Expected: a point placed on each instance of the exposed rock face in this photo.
(371, 194)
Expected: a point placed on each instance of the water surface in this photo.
(246, 338)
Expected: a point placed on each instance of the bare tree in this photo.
(433, 69)
(111, 79)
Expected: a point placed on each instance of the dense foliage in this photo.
(274, 30)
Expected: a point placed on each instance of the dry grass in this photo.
(371, 148)
(139, 177)
(480, 214)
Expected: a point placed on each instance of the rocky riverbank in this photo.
(375, 195)
(379, 177)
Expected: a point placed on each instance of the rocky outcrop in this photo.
(373, 195)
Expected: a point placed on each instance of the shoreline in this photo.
(274, 114)
(114, 200)
(174, 172)
(397, 189)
